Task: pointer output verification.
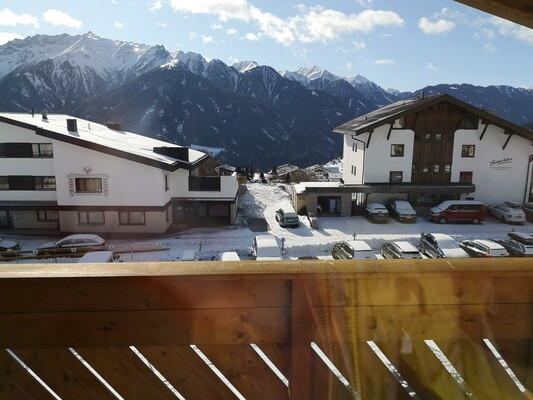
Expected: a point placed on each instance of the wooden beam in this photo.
(484, 130)
(390, 130)
(519, 11)
(507, 141)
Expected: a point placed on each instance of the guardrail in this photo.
(373, 329)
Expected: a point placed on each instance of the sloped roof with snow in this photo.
(390, 113)
(101, 138)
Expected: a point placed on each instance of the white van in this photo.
(99, 257)
(265, 247)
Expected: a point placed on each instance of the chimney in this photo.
(116, 126)
(45, 114)
(72, 125)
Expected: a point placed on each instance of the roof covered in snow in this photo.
(98, 137)
(390, 113)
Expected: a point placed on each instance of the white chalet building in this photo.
(72, 175)
(431, 149)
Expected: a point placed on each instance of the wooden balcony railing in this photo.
(332, 329)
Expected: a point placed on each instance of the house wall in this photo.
(28, 220)
(499, 175)
(353, 159)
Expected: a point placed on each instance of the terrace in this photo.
(444, 329)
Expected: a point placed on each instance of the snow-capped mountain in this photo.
(250, 112)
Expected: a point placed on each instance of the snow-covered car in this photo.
(528, 210)
(439, 245)
(402, 210)
(84, 242)
(508, 212)
(483, 248)
(352, 250)
(400, 249)
(517, 249)
(376, 212)
(521, 237)
(8, 245)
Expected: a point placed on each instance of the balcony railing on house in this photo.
(214, 186)
(268, 330)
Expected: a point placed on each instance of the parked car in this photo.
(376, 212)
(439, 245)
(400, 249)
(402, 210)
(227, 256)
(287, 218)
(352, 250)
(483, 248)
(104, 256)
(517, 249)
(265, 247)
(84, 242)
(521, 237)
(528, 210)
(508, 212)
(458, 211)
(8, 245)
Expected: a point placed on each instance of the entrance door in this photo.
(5, 219)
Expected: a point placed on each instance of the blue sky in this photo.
(402, 44)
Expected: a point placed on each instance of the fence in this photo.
(381, 329)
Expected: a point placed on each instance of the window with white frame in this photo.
(45, 182)
(88, 184)
(131, 218)
(47, 215)
(91, 217)
(468, 150)
(396, 150)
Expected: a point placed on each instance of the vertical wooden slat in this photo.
(245, 370)
(301, 337)
(16, 383)
(126, 373)
(186, 372)
(64, 374)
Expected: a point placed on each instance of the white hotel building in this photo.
(427, 150)
(72, 175)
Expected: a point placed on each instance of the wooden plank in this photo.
(447, 322)
(64, 374)
(517, 355)
(301, 324)
(326, 385)
(279, 355)
(424, 289)
(426, 375)
(482, 371)
(160, 293)
(16, 383)
(245, 370)
(186, 372)
(148, 328)
(126, 373)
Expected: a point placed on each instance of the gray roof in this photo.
(392, 112)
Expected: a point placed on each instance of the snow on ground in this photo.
(257, 209)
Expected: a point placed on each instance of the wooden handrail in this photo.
(282, 306)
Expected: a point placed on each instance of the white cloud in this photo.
(433, 28)
(9, 18)
(359, 45)
(156, 6)
(348, 66)
(232, 32)
(386, 61)
(207, 39)
(114, 2)
(162, 25)
(216, 26)
(365, 3)
(118, 25)
(313, 24)
(510, 29)
(59, 18)
(432, 66)
(8, 36)
(251, 37)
